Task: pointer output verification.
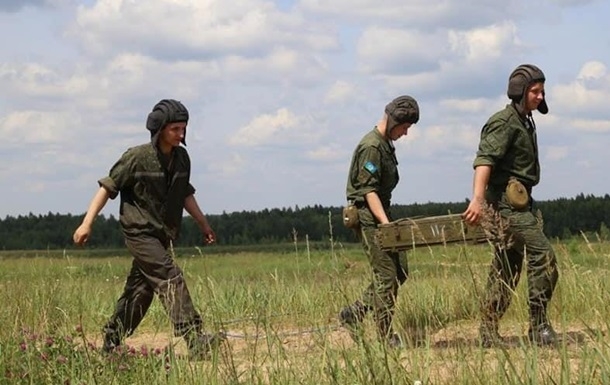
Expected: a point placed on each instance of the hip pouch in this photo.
(516, 194)
(351, 219)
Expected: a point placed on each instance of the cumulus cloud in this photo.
(36, 127)
(327, 153)
(196, 29)
(474, 63)
(588, 93)
(340, 92)
(398, 50)
(419, 13)
(232, 166)
(590, 125)
(267, 128)
(431, 142)
(480, 46)
(465, 105)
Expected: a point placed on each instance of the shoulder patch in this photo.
(370, 167)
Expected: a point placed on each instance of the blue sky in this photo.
(281, 92)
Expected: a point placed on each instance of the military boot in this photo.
(111, 342)
(351, 316)
(394, 341)
(541, 332)
(201, 345)
(489, 336)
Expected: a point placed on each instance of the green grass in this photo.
(279, 310)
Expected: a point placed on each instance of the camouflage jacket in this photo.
(508, 143)
(373, 168)
(152, 195)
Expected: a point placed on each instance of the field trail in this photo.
(290, 340)
(443, 354)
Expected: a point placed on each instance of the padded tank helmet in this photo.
(521, 78)
(165, 112)
(403, 109)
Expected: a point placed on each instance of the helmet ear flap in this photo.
(516, 86)
(543, 108)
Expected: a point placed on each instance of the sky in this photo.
(280, 92)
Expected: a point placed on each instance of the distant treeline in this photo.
(563, 218)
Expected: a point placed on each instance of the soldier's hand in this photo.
(81, 235)
(208, 235)
(472, 215)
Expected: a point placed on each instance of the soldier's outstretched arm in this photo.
(192, 207)
(81, 235)
(481, 179)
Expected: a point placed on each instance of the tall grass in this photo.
(279, 311)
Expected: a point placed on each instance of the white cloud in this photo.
(592, 70)
(37, 127)
(436, 141)
(231, 167)
(480, 46)
(340, 92)
(327, 153)
(465, 105)
(266, 128)
(281, 65)
(195, 28)
(397, 50)
(462, 14)
(588, 93)
(590, 125)
(475, 60)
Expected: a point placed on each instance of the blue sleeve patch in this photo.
(370, 167)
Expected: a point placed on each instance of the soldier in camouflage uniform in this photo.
(153, 181)
(507, 155)
(373, 175)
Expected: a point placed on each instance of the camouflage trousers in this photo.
(524, 240)
(153, 271)
(390, 271)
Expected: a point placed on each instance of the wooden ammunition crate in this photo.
(409, 233)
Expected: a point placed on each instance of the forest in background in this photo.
(563, 218)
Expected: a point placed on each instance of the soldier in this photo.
(372, 177)
(153, 180)
(506, 169)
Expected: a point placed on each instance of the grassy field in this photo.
(280, 314)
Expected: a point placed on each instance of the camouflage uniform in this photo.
(153, 190)
(374, 168)
(508, 143)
